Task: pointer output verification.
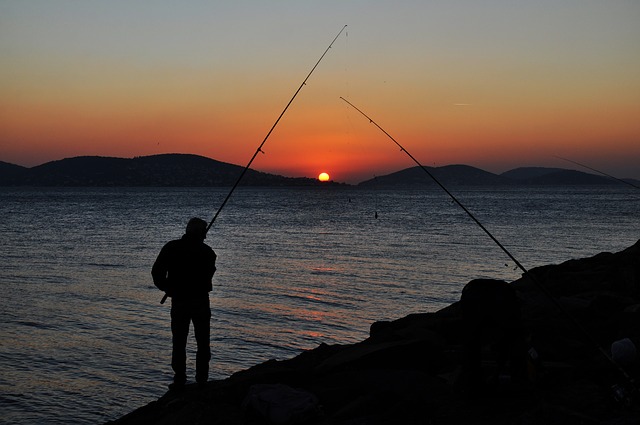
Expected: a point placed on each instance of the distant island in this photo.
(465, 175)
(166, 170)
(185, 170)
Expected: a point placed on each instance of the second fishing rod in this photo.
(246, 168)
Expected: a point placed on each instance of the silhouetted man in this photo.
(184, 269)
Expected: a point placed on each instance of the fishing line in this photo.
(599, 172)
(375, 191)
(506, 251)
(265, 139)
(346, 63)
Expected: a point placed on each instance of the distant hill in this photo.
(185, 170)
(180, 170)
(448, 175)
(525, 173)
(555, 176)
(465, 175)
(11, 171)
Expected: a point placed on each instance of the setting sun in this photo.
(323, 177)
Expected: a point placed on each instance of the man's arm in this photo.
(212, 263)
(159, 271)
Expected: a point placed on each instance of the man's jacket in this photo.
(184, 268)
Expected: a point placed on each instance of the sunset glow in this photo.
(495, 86)
(323, 177)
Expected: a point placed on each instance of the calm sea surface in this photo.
(85, 340)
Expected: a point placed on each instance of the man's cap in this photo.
(197, 226)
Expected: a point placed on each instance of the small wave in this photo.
(313, 299)
(324, 270)
(106, 265)
(33, 324)
(11, 398)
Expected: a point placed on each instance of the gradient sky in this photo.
(495, 84)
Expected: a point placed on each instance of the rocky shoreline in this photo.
(409, 371)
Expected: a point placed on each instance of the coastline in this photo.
(409, 370)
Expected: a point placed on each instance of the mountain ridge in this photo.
(459, 174)
(163, 170)
(189, 170)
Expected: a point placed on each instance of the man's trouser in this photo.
(183, 312)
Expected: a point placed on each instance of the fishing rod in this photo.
(626, 376)
(264, 140)
(402, 149)
(599, 172)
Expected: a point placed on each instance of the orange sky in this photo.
(496, 86)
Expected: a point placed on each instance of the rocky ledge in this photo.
(582, 320)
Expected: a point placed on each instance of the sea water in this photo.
(85, 340)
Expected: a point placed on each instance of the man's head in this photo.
(197, 227)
